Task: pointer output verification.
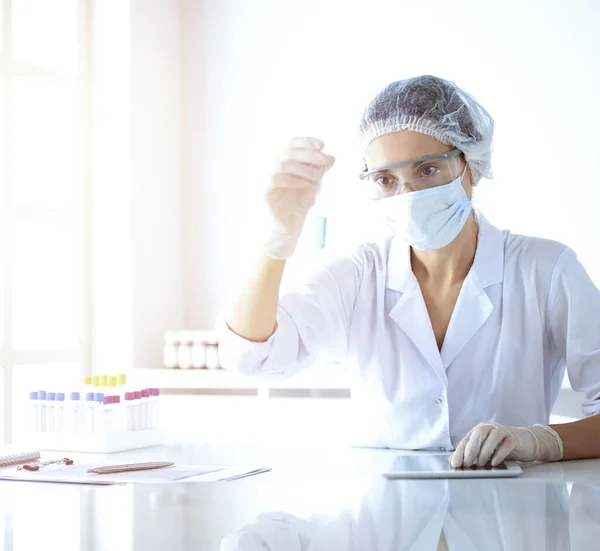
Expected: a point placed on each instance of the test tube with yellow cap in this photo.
(103, 383)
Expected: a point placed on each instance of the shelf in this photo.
(317, 378)
(325, 378)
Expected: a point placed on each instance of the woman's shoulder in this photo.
(533, 253)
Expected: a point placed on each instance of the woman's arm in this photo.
(253, 314)
(574, 327)
(581, 439)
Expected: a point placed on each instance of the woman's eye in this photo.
(385, 181)
(428, 170)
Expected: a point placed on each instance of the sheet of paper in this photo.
(77, 474)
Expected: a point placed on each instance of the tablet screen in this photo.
(434, 464)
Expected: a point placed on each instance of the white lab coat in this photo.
(526, 310)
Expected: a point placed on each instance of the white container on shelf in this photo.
(171, 351)
(199, 350)
(212, 350)
(184, 357)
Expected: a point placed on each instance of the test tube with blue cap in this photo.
(98, 412)
(59, 412)
(89, 412)
(34, 412)
(74, 415)
(50, 397)
(42, 408)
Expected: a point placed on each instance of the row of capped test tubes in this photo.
(95, 412)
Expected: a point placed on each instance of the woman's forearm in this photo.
(253, 315)
(581, 439)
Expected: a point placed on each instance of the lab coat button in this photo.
(442, 449)
(438, 401)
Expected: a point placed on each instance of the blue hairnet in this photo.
(438, 108)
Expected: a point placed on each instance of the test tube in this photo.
(129, 409)
(155, 407)
(74, 415)
(107, 415)
(50, 396)
(59, 412)
(112, 385)
(103, 383)
(99, 412)
(87, 385)
(120, 423)
(122, 385)
(34, 412)
(42, 406)
(146, 411)
(137, 416)
(89, 412)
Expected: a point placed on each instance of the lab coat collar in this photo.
(472, 308)
(488, 264)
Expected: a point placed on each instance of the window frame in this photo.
(9, 69)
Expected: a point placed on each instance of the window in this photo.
(43, 196)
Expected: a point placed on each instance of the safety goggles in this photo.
(413, 175)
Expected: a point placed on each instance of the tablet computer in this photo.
(438, 466)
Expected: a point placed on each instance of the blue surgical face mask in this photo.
(428, 219)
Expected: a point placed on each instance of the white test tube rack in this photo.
(92, 435)
(97, 443)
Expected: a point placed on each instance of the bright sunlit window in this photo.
(43, 237)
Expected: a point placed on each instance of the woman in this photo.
(460, 333)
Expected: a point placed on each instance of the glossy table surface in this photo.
(314, 498)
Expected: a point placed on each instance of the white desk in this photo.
(551, 507)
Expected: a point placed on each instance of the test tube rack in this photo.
(97, 443)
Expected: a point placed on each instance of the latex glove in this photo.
(495, 442)
(292, 192)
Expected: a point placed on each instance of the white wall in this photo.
(157, 226)
(257, 73)
(137, 246)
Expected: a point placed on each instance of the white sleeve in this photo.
(314, 317)
(574, 327)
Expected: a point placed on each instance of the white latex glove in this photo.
(292, 192)
(495, 442)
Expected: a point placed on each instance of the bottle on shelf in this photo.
(212, 351)
(185, 350)
(199, 350)
(171, 350)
